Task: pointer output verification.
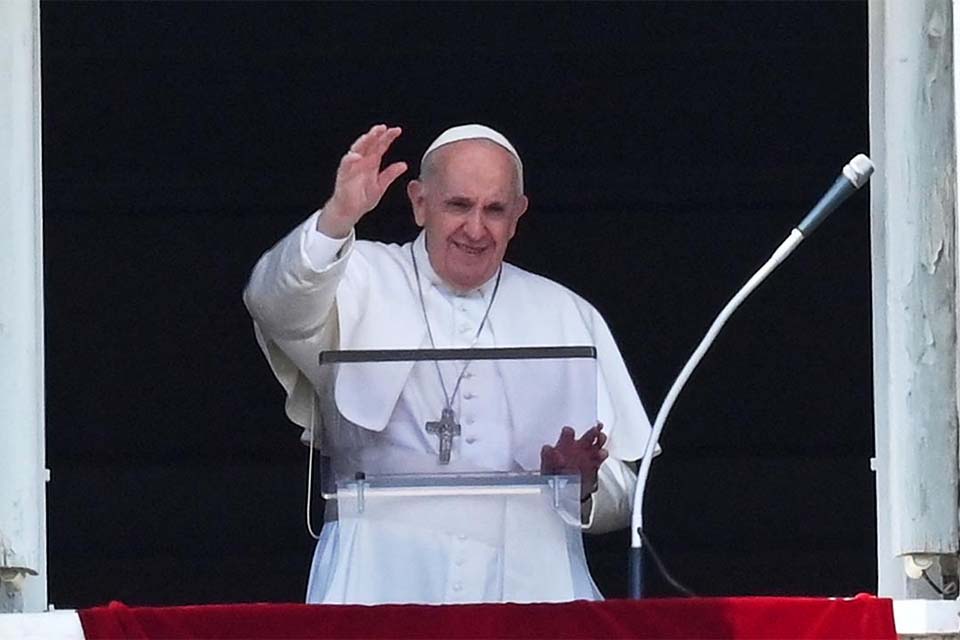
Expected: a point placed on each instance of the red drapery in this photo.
(748, 618)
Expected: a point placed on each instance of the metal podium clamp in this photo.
(555, 485)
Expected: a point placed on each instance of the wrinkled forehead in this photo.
(477, 132)
(473, 167)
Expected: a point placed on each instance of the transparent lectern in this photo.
(433, 459)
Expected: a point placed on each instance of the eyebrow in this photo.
(496, 205)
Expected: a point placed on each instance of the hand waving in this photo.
(582, 456)
(360, 183)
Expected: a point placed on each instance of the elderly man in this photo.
(320, 289)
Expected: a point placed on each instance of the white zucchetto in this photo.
(473, 132)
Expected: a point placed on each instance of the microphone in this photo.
(854, 176)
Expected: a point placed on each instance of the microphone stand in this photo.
(855, 175)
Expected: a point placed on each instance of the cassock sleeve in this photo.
(613, 500)
(292, 305)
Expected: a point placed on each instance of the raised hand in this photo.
(572, 455)
(360, 183)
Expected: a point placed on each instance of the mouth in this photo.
(473, 250)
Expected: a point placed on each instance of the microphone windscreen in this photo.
(858, 170)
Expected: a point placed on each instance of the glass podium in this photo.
(435, 454)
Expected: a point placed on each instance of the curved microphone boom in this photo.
(855, 174)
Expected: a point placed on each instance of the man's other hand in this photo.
(576, 456)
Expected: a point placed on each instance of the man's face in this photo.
(469, 205)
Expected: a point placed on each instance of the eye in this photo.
(458, 205)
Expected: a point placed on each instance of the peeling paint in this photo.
(931, 257)
(929, 90)
(936, 25)
(928, 355)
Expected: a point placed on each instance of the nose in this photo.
(473, 226)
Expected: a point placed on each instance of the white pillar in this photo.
(914, 241)
(22, 464)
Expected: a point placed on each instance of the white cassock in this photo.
(310, 294)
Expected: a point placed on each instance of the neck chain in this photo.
(448, 398)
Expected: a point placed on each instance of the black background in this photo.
(669, 147)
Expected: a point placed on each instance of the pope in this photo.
(321, 288)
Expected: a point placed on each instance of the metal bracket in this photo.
(555, 485)
(12, 576)
(949, 578)
(361, 479)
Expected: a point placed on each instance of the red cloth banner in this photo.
(761, 618)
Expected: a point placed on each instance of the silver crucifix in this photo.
(446, 428)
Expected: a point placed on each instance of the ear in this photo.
(415, 193)
(522, 204)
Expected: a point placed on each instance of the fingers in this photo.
(551, 460)
(592, 438)
(349, 160)
(594, 457)
(376, 141)
(363, 144)
(386, 139)
(366, 154)
(589, 436)
(582, 455)
(601, 440)
(567, 437)
(391, 173)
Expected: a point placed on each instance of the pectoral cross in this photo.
(446, 428)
